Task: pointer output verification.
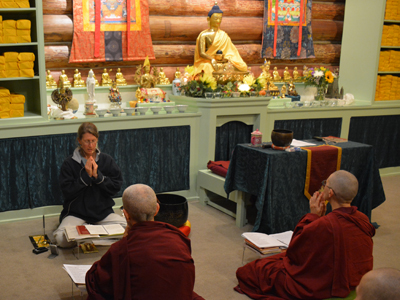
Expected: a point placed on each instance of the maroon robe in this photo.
(326, 257)
(153, 262)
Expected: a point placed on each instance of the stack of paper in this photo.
(77, 272)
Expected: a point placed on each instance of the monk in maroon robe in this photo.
(327, 255)
(152, 261)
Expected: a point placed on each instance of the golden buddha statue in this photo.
(119, 78)
(210, 41)
(162, 77)
(63, 81)
(296, 76)
(147, 80)
(105, 78)
(276, 75)
(138, 74)
(178, 73)
(78, 81)
(62, 95)
(50, 82)
(286, 75)
(283, 91)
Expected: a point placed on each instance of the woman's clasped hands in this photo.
(91, 167)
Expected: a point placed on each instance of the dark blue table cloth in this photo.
(277, 179)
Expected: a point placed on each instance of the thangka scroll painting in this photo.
(288, 36)
(104, 32)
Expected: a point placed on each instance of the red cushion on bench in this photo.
(219, 167)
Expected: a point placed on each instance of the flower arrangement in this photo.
(201, 84)
(320, 78)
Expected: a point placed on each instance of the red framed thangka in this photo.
(104, 32)
(287, 30)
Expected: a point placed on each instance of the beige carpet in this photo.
(216, 244)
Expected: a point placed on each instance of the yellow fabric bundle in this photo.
(5, 99)
(12, 65)
(17, 99)
(2, 60)
(5, 106)
(1, 39)
(16, 113)
(4, 92)
(23, 24)
(3, 74)
(16, 106)
(2, 67)
(23, 4)
(9, 24)
(25, 65)
(11, 56)
(12, 73)
(24, 39)
(23, 32)
(10, 5)
(9, 32)
(26, 73)
(10, 39)
(4, 114)
(26, 56)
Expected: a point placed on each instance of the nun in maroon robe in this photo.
(153, 262)
(326, 258)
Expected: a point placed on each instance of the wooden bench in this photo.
(208, 181)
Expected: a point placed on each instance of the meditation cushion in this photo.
(218, 167)
(185, 228)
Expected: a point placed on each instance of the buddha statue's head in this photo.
(214, 17)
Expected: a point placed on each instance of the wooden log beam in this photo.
(168, 55)
(59, 28)
(327, 9)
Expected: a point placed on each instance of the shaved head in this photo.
(379, 284)
(344, 184)
(140, 202)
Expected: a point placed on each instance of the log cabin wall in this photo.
(175, 25)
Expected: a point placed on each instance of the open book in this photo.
(81, 232)
(268, 243)
(77, 272)
(110, 229)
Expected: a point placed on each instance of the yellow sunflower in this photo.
(329, 76)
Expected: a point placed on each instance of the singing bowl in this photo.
(174, 209)
(281, 137)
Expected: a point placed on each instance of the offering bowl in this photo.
(182, 108)
(142, 110)
(115, 111)
(281, 137)
(101, 112)
(169, 108)
(129, 111)
(155, 109)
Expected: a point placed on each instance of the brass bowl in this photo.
(281, 137)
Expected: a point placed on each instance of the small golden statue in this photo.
(265, 71)
(305, 72)
(147, 80)
(156, 76)
(63, 81)
(292, 89)
(119, 78)
(105, 78)
(178, 73)
(78, 81)
(272, 88)
(286, 75)
(62, 96)
(296, 76)
(50, 82)
(283, 91)
(139, 95)
(276, 75)
(210, 41)
(114, 96)
(162, 78)
(138, 74)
